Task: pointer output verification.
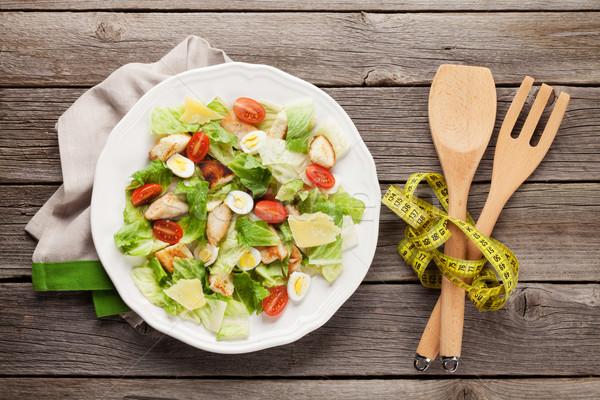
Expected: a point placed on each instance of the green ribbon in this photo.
(79, 275)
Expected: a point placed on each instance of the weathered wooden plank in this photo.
(296, 5)
(545, 329)
(392, 122)
(549, 227)
(388, 389)
(338, 49)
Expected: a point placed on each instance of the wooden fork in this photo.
(514, 160)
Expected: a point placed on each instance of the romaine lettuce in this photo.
(288, 191)
(255, 233)
(271, 111)
(252, 173)
(165, 120)
(156, 172)
(196, 192)
(218, 105)
(145, 279)
(217, 134)
(351, 205)
(230, 251)
(249, 292)
(137, 239)
(316, 201)
(336, 138)
(271, 275)
(327, 254)
(299, 119)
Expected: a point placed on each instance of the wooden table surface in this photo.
(377, 59)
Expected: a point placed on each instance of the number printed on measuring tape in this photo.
(494, 276)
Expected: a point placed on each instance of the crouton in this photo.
(234, 125)
(221, 283)
(169, 146)
(166, 206)
(167, 255)
(215, 173)
(321, 152)
(280, 126)
(217, 223)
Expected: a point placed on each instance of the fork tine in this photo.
(535, 113)
(554, 121)
(515, 107)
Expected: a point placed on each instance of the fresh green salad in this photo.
(237, 210)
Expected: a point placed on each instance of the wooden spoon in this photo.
(462, 112)
(514, 160)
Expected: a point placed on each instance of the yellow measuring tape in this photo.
(427, 230)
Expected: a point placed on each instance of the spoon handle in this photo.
(429, 346)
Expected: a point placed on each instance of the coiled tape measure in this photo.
(494, 276)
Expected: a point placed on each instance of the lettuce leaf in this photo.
(236, 324)
(211, 315)
(252, 173)
(218, 105)
(230, 250)
(249, 292)
(271, 275)
(190, 268)
(137, 239)
(156, 172)
(217, 134)
(336, 138)
(271, 111)
(299, 120)
(351, 205)
(255, 233)
(165, 120)
(316, 201)
(196, 193)
(152, 287)
(327, 254)
(288, 191)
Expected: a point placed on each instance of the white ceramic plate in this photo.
(126, 151)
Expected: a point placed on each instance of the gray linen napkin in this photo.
(62, 225)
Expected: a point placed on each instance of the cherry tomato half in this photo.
(249, 110)
(270, 211)
(145, 194)
(276, 301)
(320, 176)
(167, 231)
(197, 147)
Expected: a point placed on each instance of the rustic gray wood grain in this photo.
(380, 389)
(392, 122)
(545, 329)
(549, 227)
(339, 49)
(296, 5)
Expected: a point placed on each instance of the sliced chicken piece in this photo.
(321, 152)
(215, 173)
(165, 207)
(234, 125)
(295, 260)
(167, 255)
(268, 254)
(292, 210)
(217, 224)
(221, 283)
(169, 146)
(280, 126)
